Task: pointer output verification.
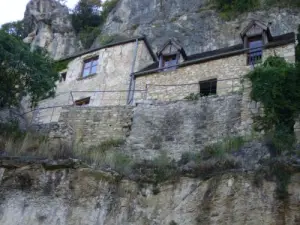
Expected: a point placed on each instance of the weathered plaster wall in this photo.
(93, 125)
(228, 70)
(32, 195)
(113, 75)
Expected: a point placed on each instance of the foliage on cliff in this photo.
(23, 72)
(15, 28)
(230, 8)
(275, 84)
(87, 18)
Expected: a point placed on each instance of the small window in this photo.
(82, 102)
(90, 67)
(63, 76)
(169, 62)
(208, 87)
(255, 50)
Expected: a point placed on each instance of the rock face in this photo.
(48, 25)
(198, 27)
(35, 195)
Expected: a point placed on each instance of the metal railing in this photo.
(50, 109)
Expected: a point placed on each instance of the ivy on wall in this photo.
(275, 84)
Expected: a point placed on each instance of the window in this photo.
(208, 87)
(168, 61)
(90, 67)
(84, 101)
(63, 76)
(255, 50)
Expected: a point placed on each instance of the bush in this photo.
(227, 145)
(275, 83)
(192, 97)
(229, 8)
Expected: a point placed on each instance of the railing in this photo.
(49, 110)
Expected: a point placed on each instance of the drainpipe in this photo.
(132, 81)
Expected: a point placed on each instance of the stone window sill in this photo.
(87, 77)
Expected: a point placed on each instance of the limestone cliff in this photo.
(44, 194)
(194, 23)
(48, 25)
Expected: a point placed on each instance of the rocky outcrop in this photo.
(194, 23)
(48, 25)
(40, 194)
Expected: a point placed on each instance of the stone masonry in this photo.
(93, 125)
(155, 127)
(229, 72)
(183, 126)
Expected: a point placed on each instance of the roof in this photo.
(176, 44)
(259, 24)
(219, 53)
(141, 38)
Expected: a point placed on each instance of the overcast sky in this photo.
(12, 10)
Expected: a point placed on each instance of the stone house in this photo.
(128, 72)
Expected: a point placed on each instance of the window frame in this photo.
(249, 41)
(91, 61)
(210, 81)
(163, 60)
(86, 101)
(63, 77)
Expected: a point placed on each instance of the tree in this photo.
(86, 14)
(24, 73)
(15, 28)
(276, 84)
(87, 18)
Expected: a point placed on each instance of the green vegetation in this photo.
(230, 8)
(275, 84)
(15, 29)
(24, 72)
(192, 97)
(227, 145)
(60, 65)
(87, 18)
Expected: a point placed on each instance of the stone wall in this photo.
(183, 126)
(93, 125)
(107, 87)
(181, 82)
(155, 127)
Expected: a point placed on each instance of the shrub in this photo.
(227, 145)
(193, 97)
(275, 84)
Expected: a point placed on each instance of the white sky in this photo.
(12, 10)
